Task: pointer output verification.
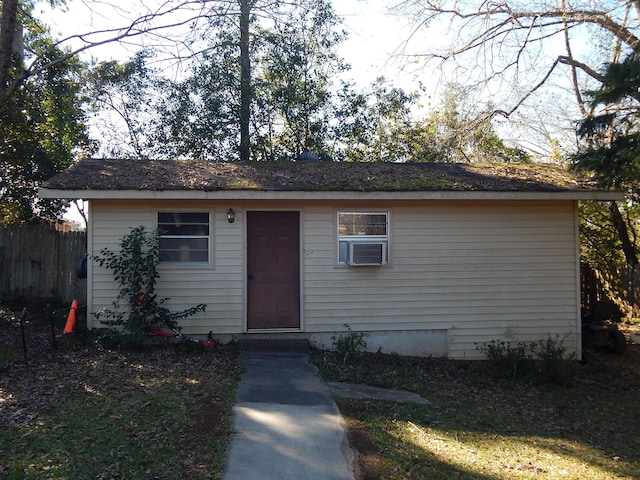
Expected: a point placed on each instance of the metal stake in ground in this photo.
(23, 318)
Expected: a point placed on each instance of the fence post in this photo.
(23, 318)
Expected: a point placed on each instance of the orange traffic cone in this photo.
(71, 318)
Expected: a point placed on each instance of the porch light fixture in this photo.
(231, 216)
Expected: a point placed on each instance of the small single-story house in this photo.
(427, 259)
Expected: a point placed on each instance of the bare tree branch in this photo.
(171, 24)
(505, 16)
(563, 59)
(574, 71)
(511, 50)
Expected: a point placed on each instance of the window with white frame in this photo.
(184, 237)
(363, 238)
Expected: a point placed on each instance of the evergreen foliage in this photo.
(612, 134)
(42, 129)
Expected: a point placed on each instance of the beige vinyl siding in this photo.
(481, 271)
(108, 223)
(478, 270)
(218, 285)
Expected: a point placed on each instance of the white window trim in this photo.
(177, 265)
(386, 239)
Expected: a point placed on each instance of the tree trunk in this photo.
(623, 234)
(7, 37)
(245, 80)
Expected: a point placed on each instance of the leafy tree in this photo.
(457, 131)
(169, 25)
(123, 104)
(42, 127)
(612, 133)
(599, 242)
(290, 66)
(174, 27)
(293, 105)
(372, 125)
(10, 52)
(611, 139)
(294, 81)
(199, 116)
(611, 259)
(377, 125)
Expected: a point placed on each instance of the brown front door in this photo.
(273, 268)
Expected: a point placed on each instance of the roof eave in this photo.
(328, 195)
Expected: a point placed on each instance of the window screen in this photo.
(184, 237)
(357, 228)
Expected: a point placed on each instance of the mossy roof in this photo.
(315, 176)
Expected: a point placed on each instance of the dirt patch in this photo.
(209, 419)
(368, 458)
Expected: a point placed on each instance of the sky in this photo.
(375, 38)
(372, 49)
(374, 35)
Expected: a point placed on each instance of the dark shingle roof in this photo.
(189, 175)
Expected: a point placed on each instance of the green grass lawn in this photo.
(482, 426)
(87, 413)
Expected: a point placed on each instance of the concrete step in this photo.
(274, 344)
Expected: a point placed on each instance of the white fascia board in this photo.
(324, 195)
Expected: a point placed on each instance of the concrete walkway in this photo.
(286, 424)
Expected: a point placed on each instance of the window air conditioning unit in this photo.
(367, 253)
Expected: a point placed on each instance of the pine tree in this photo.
(612, 134)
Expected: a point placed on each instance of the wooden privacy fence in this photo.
(591, 289)
(40, 264)
(620, 284)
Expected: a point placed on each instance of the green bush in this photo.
(349, 343)
(508, 359)
(135, 269)
(543, 361)
(551, 360)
